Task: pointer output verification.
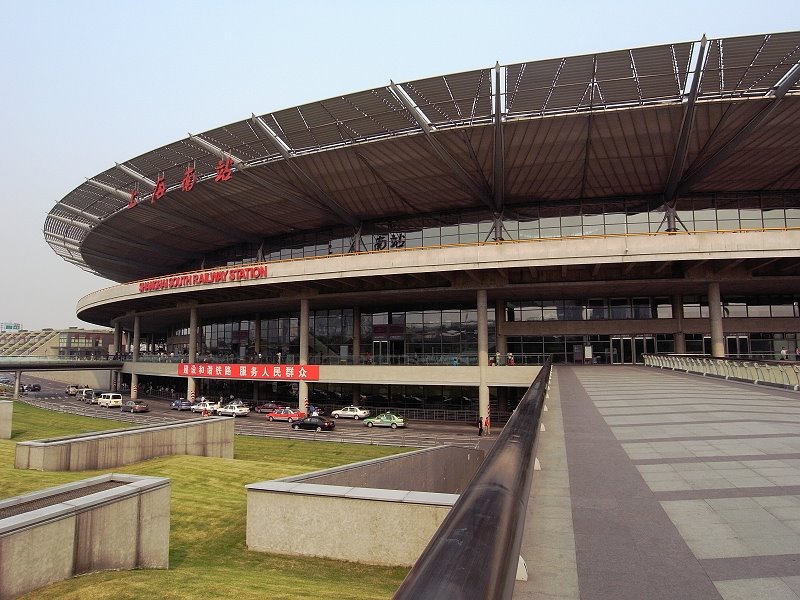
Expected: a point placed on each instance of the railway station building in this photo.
(429, 242)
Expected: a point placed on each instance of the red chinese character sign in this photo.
(189, 179)
(159, 190)
(224, 172)
(251, 372)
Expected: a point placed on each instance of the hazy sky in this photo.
(87, 84)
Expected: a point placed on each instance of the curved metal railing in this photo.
(475, 552)
(776, 373)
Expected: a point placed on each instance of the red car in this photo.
(286, 414)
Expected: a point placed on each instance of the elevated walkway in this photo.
(662, 485)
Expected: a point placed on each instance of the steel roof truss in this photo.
(776, 94)
(440, 150)
(316, 190)
(682, 147)
(498, 179)
(78, 211)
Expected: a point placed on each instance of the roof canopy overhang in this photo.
(717, 115)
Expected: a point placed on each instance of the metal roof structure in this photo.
(662, 121)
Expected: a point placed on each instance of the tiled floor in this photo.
(678, 487)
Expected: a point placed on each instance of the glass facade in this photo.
(721, 212)
(440, 335)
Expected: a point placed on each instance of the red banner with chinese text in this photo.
(250, 371)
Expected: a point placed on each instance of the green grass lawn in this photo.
(208, 556)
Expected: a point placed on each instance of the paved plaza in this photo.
(657, 485)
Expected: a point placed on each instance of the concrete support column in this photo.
(483, 354)
(137, 333)
(677, 314)
(191, 385)
(117, 349)
(499, 321)
(17, 380)
(302, 390)
(356, 335)
(193, 335)
(715, 320)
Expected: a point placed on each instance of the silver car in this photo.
(350, 412)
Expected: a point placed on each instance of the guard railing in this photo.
(474, 554)
(774, 373)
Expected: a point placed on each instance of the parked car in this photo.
(84, 395)
(72, 390)
(350, 412)
(180, 404)
(110, 400)
(34, 387)
(210, 407)
(93, 397)
(385, 420)
(377, 400)
(134, 406)
(268, 407)
(459, 403)
(314, 423)
(5, 381)
(286, 414)
(233, 410)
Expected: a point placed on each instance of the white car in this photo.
(110, 400)
(233, 410)
(210, 407)
(351, 412)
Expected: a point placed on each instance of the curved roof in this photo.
(661, 121)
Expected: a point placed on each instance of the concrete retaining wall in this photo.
(109, 449)
(70, 529)
(364, 517)
(441, 470)
(6, 418)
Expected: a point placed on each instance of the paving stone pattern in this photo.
(679, 487)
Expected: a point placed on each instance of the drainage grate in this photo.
(24, 507)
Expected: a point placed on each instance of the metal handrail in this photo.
(474, 553)
(781, 373)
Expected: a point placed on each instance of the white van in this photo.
(85, 395)
(110, 400)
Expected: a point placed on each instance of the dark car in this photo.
(34, 387)
(314, 423)
(268, 407)
(134, 406)
(182, 404)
